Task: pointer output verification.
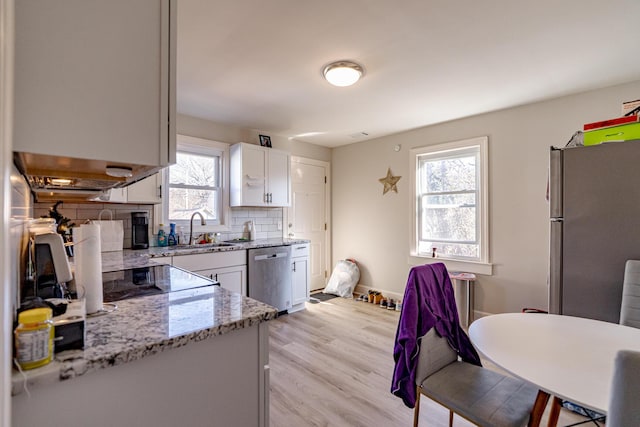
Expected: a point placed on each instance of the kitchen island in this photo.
(192, 357)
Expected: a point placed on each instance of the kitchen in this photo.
(519, 254)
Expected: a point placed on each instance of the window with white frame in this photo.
(195, 183)
(450, 202)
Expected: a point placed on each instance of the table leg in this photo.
(470, 302)
(467, 320)
(464, 294)
(538, 408)
(554, 413)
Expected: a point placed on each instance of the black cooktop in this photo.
(143, 281)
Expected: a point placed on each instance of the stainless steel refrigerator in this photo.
(594, 202)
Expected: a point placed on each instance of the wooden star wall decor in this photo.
(389, 182)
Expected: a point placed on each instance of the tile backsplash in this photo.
(267, 220)
(79, 213)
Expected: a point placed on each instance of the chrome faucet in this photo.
(202, 222)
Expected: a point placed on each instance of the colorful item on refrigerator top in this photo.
(617, 133)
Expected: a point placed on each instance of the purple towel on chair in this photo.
(428, 303)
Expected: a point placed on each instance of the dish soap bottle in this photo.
(180, 239)
(172, 240)
(162, 236)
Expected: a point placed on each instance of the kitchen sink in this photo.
(204, 245)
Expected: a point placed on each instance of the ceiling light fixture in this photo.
(119, 171)
(60, 181)
(343, 73)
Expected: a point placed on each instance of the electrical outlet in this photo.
(279, 225)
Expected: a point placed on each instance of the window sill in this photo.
(454, 264)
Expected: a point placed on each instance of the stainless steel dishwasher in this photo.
(270, 276)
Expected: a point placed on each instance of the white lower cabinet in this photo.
(229, 268)
(300, 273)
(233, 278)
(222, 381)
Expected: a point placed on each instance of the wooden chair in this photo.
(624, 410)
(630, 308)
(482, 396)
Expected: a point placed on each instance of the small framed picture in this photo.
(265, 141)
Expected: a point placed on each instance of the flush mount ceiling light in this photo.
(119, 171)
(343, 73)
(60, 181)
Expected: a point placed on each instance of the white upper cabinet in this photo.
(259, 176)
(95, 80)
(279, 178)
(148, 190)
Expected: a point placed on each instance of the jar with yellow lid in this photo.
(34, 338)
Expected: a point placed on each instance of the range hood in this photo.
(73, 179)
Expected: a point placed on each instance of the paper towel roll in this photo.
(88, 263)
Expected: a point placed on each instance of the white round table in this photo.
(569, 357)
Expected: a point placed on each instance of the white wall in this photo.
(201, 128)
(21, 212)
(375, 229)
(296, 148)
(266, 219)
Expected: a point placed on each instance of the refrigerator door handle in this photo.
(560, 219)
(555, 266)
(555, 183)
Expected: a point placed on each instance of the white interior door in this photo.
(308, 216)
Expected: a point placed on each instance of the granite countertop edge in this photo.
(165, 251)
(73, 363)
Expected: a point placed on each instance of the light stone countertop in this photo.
(129, 258)
(253, 244)
(144, 326)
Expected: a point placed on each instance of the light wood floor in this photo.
(331, 365)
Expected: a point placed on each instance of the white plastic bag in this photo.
(344, 279)
(111, 232)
